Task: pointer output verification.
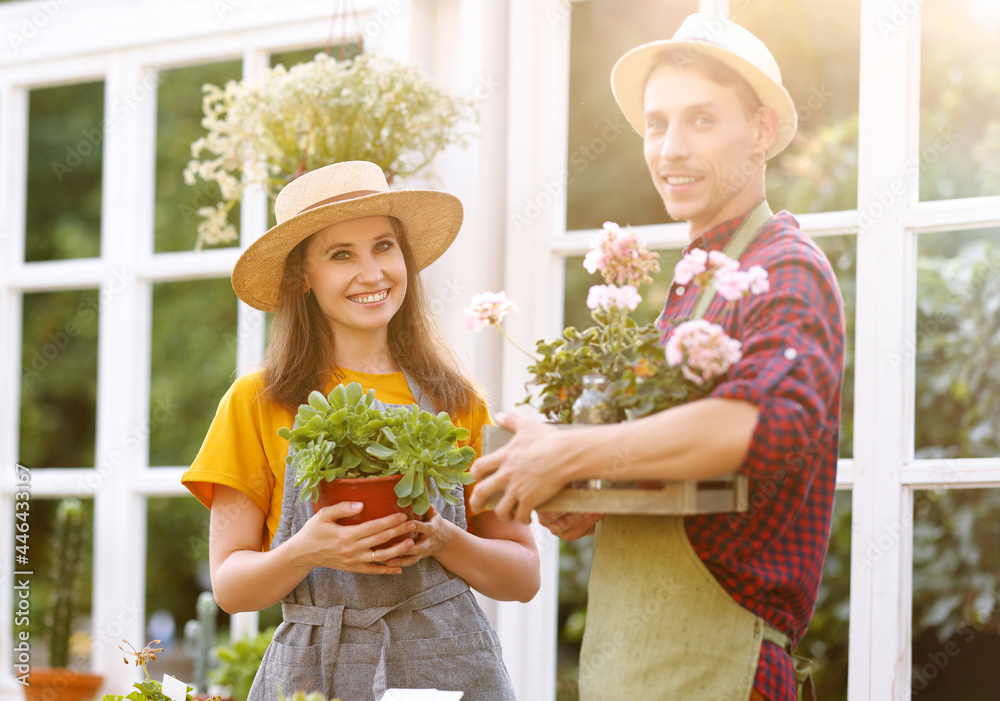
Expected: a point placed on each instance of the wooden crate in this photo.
(727, 493)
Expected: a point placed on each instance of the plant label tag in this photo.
(174, 688)
(421, 695)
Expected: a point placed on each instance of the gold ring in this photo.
(373, 557)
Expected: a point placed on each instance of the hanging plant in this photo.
(268, 132)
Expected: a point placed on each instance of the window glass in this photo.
(816, 45)
(178, 125)
(55, 538)
(958, 324)
(59, 378)
(959, 79)
(194, 356)
(65, 156)
(956, 561)
(176, 574)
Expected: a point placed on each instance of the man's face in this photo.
(704, 151)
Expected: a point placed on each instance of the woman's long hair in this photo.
(300, 353)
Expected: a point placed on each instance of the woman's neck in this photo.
(362, 355)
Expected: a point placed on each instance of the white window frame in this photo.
(125, 43)
(883, 474)
(515, 58)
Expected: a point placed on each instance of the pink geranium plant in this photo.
(642, 375)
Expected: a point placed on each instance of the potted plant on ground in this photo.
(343, 449)
(148, 689)
(59, 680)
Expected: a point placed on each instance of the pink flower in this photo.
(487, 308)
(621, 258)
(609, 297)
(758, 280)
(690, 266)
(732, 284)
(702, 350)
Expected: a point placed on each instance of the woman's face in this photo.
(357, 273)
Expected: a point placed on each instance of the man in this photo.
(708, 606)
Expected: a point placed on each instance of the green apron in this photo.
(659, 625)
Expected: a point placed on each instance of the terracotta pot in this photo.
(376, 493)
(47, 684)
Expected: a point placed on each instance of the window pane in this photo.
(65, 140)
(959, 79)
(60, 591)
(179, 114)
(59, 379)
(176, 573)
(826, 639)
(817, 46)
(956, 561)
(958, 324)
(194, 355)
(606, 176)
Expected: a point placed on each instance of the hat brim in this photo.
(431, 220)
(628, 83)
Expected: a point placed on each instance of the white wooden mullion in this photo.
(537, 128)
(13, 185)
(879, 650)
(954, 215)
(250, 324)
(944, 473)
(48, 276)
(122, 381)
(127, 24)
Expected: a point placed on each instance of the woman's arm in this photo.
(500, 561)
(246, 579)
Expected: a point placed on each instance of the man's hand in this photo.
(528, 471)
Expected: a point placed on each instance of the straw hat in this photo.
(723, 40)
(333, 194)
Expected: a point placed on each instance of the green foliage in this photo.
(67, 558)
(638, 380)
(239, 662)
(148, 691)
(342, 436)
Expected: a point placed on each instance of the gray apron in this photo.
(353, 635)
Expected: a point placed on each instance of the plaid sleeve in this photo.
(792, 340)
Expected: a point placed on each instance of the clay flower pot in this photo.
(376, 493)
(46, 683)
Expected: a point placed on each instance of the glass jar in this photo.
(592, 407)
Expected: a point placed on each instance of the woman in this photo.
(339, 271)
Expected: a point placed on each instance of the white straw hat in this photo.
(723, 40)
(333, 194)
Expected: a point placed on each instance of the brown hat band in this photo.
(339, 198)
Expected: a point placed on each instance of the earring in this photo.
(308, 292)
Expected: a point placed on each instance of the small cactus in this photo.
(67, 562)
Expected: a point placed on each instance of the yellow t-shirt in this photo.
(244, 451)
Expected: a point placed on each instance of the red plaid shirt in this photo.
(770, 558)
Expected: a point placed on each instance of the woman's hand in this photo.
(569, 526)
(323, 542)
(432, 535)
